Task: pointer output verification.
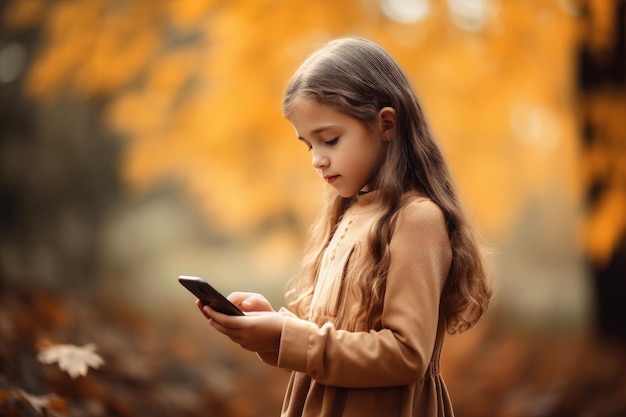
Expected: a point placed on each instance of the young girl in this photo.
(392, 262)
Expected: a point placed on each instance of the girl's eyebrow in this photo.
(318, 130)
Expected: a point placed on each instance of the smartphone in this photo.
(209, 295)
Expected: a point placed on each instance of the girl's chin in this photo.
(344, 194)
(344, 191)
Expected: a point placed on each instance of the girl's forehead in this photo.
(309, 108)
(310, 117)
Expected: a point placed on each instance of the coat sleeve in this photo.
(271, 358)
(401, 351)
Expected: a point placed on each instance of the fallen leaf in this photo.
(45, 405)
(75, 360)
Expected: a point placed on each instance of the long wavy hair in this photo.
(359, 78)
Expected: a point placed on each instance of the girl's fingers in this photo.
(249, 301)
(223, 326)
(218, 327)
(252, 303)
(255, 302)
(226, 321)
(238, 297)
(213, 315)
(201, 308)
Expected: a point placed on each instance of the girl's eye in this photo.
(332, 141)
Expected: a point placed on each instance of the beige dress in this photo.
(392, 370)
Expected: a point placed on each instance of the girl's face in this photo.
(345, 151)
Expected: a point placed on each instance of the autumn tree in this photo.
(602, 83)
(58, 170)
(192, 91)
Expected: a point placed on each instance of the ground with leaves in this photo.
(161, 366)
(173, 366)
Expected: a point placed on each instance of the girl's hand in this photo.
(257, 331)
(250, 301)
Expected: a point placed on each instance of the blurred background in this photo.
(141, 140)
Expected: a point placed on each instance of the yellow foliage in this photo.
(22, 14)
(187, 14)
(92, 48)
(195, 87)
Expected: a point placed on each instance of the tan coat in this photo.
(388, 371)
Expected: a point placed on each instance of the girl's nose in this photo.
(319, 160)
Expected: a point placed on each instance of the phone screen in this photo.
(209, 295)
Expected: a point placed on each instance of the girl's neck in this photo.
(365, 197)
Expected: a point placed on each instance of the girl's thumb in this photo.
(248, 302)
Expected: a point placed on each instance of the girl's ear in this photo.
(387, 118)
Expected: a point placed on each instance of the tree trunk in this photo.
(602, 86)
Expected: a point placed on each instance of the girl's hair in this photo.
(357, 77)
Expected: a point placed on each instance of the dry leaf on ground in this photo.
(75, 360)
(45, 405)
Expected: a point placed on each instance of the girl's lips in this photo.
(330, 178)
